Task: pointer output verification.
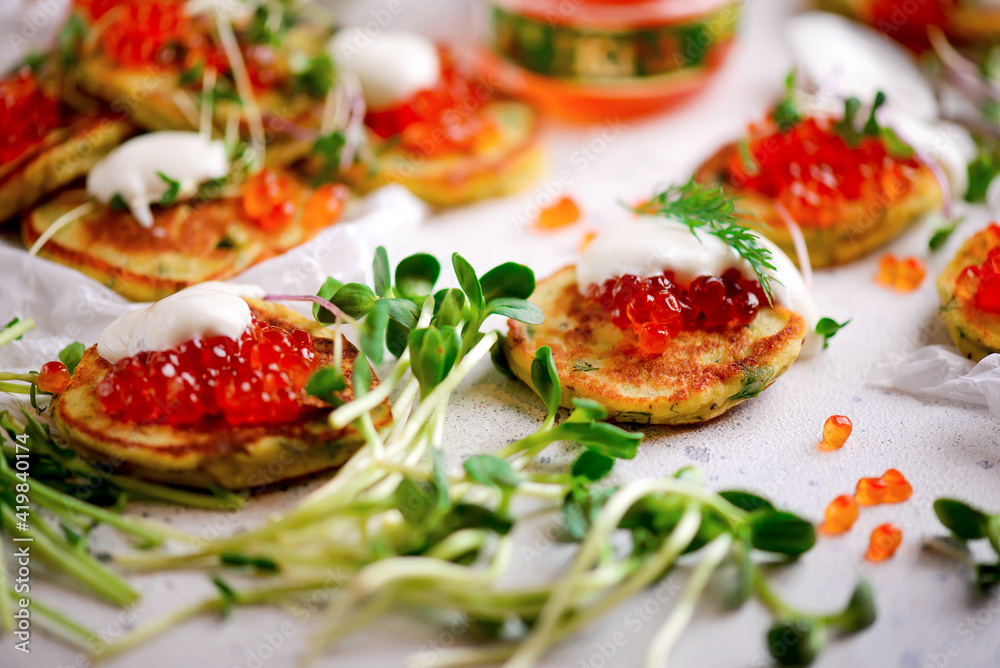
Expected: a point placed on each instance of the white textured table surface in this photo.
(927, 616)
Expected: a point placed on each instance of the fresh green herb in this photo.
(70, 40)
(584, 366)
(786, 113)
(10, 325)
(828, 328)
(173, 190)
(967, 524)
(943, 233)
(118, 202)
(270, 23)
(328, 148)
(706, 208)
(71, 355)
(192, 75)
(316, 76)
(982, 170)
(846, 127)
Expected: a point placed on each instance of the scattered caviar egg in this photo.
(836, 430)
(658, 308)
(53, 378)
(258, 379)
(815, 174)
(841, 514)
(269, 198)
(884, 542)
(325, 205)
(904, 275)
(898, 488)
(871, 491)
(562, 213)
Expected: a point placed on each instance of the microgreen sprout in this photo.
(828, 328)
(967, 523)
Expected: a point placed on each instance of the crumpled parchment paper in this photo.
(939, 372)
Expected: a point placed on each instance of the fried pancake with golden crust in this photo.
(699, 377)
(155, 99)
(63, 156)
(975, 332)
(511, 164)
(190, 242)
(213, 453)
(869, 224)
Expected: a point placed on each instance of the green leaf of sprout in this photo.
(193, 75)
(987, 577)
(355, 299)
(416, 500)
(860, 611)
(396, 337)
(70, 40)
(118, 202)
(380, 271)
(449, 305)
(325, 383)
(328, 148)
(585, 410)
(746, 500)
(173, 190)
(943, 233)
(796, 642)
(966, 522)
(845, 126)
(518, 309)
(508, 280)
(781, 532)
(316, 78)
(491, 471)
(750, 165)
(545, 379)
(706, 208)
(326, 291)
(470, 284)
(872, 128)
(427, 357)
(402, 311)
(828, 328)
(227, 596)
(601, 437)
(592, 465)
(71, 355)
(983, 168)
(373, 331)
(416, 275)
(499, 359)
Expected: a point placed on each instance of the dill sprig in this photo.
(706, 208)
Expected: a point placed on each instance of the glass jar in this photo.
(595, 59)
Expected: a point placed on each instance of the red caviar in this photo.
(841, 514)
(904, 274)
(836, 430)
(898, 488)
(53, 377)
(27, 114)
(258, 379)
(658, 309)
(562, 213)
(325, 205)
(979, 285)
(270, 198)
(884, 542)
(871, 491)
(815, 174)
(441, 119)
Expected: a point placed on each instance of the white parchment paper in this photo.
(940, 372)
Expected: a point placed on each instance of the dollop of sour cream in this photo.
(134, 169)
(199, 312)
(839, 58)
(392, 67)
(648, 247)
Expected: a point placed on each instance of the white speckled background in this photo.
(928, 618)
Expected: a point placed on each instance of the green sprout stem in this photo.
(16, 331)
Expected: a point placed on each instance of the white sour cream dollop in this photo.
(648, 247)
(392, 67)
(199, 312)
(133, 169)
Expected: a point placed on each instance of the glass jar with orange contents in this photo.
(595, 59)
